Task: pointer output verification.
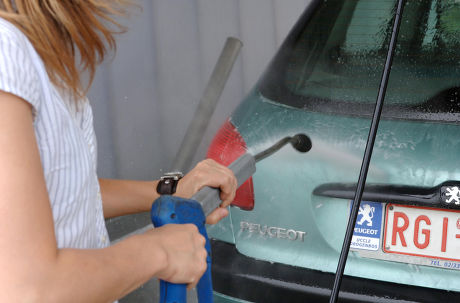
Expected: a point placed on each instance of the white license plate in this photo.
(423, 232)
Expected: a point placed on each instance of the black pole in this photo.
(367, 154)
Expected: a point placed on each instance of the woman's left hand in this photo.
(210, 173)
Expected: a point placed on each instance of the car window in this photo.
(334, 60)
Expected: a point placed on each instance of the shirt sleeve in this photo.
(18, 73)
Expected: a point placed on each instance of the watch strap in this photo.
(168, 183)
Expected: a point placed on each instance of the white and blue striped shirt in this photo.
(66, 140)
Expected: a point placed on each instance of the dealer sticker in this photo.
(366, 234)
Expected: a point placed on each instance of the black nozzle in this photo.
(300, 142)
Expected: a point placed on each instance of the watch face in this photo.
(172, 175)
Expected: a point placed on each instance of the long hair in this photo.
(71, 36)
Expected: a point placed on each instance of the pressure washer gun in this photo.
(170, 209)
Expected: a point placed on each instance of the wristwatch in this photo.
(168, 183)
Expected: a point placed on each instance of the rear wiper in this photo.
(445, 101)
(445, 195)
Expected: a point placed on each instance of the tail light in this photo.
(225, 148)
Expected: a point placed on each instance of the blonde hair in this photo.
(71, 36)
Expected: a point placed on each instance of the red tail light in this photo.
(225, 148)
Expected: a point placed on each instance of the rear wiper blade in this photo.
(444, 196)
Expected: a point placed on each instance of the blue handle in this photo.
(169, 209)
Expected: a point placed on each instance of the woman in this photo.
(53, 242)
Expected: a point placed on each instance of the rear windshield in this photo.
(333, 60)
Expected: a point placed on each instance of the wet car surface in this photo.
(282, 241)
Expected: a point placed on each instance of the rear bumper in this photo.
(253, 280)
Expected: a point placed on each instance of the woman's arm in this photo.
(34, 270)
(122, 197)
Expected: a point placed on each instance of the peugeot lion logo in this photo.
(367, 214)
(454, 195)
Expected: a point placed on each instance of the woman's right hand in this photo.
(184, 250)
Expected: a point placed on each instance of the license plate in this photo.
(422, 232)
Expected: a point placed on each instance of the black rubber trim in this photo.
(436, 197)
(245, 278)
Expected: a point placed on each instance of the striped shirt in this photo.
(66, 141)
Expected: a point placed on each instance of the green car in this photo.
(282, 240)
